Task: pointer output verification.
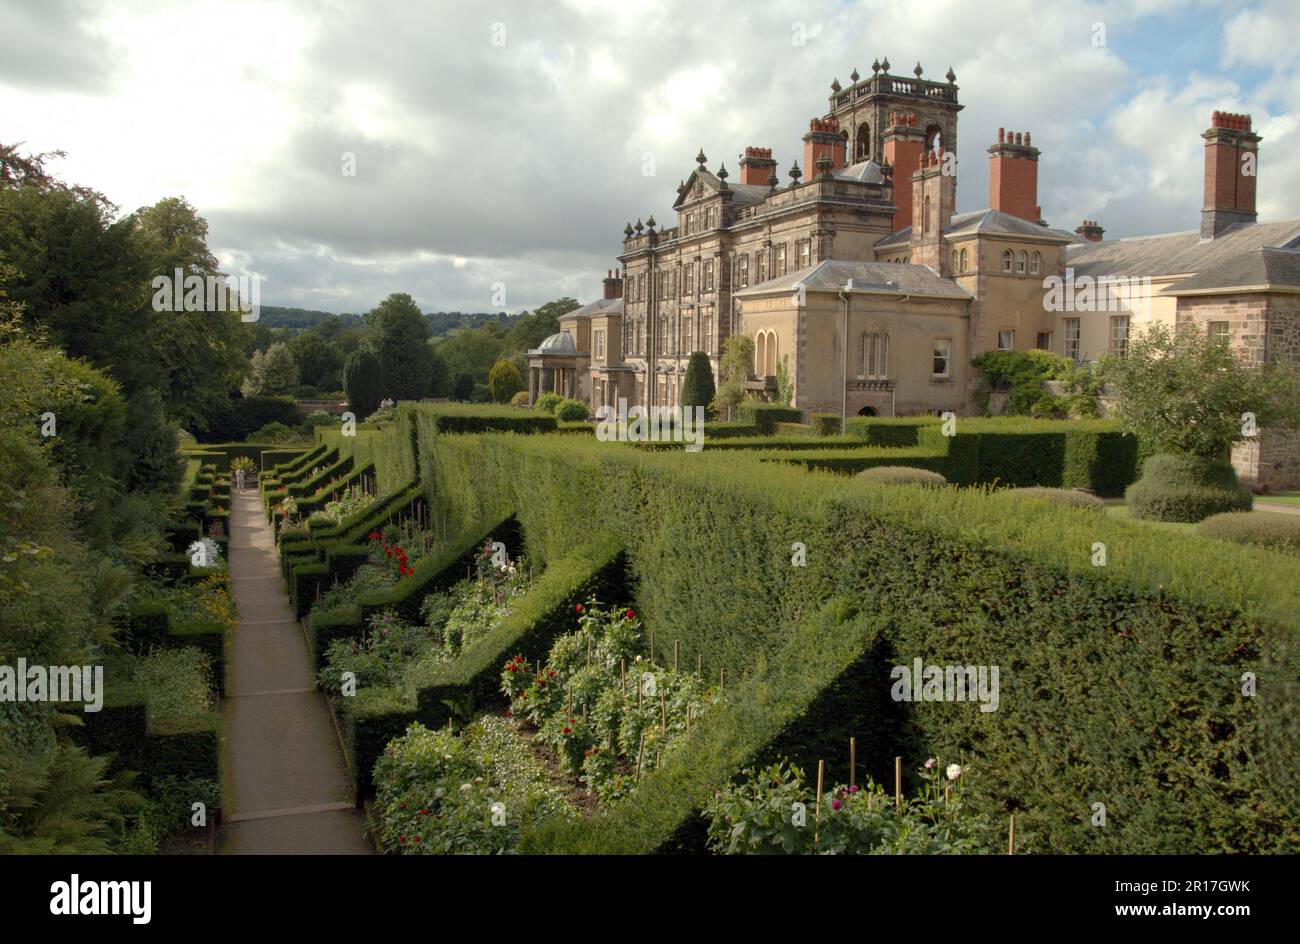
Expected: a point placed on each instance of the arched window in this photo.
(1035, 261)
(1020, 262)
(862, 147)
(874, 362)
(933, 138)
(964, 261)
(925, 215)
(1006, 260)
(771, 354)
(760, 352)
(956, 260)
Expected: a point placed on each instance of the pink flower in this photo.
(836, 804)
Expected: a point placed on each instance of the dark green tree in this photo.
(463, 389)
(320, 364)
(363, 382)
(398, 333)
(697, 388)
(504, 381)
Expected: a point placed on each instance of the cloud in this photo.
(508, 142)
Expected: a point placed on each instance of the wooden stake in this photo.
(663, 712)
(853, 762)
(652, 647)
(817, 816)
(1011, 836)
(699, 665)
(640, 753)
(638, 694)
(898, 784)
(677, 653)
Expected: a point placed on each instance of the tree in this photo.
(463, 389)
(532, 329)
(398, 333)
(504, 381)
(271, 373)
(472, 351)
(784, 383)
(697, 388)
(736, 363)
(1185, 393)
(363, 382)
(320, 364)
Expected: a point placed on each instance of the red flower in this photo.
(630, 614)
(509, 713)
(374, 535)
(550, 675)
(423, 813)
(578, 607)
(567, 731)
(510, 666)
(401, 839)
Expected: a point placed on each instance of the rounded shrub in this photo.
(547, 402)
(1062, 496)
(571, 411)
(520, 398)
(902, 475)
(1274, 530)
(1186, 488)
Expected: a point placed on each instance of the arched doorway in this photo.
(867, 411)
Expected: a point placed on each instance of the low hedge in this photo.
(1277, 531)
(902, 475)
(853, 461)
(1186, 489)
(766, 415)
(888, 430)
(827, 424)
(146, 626)
(471, 683)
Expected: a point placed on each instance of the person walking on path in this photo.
(239, 480)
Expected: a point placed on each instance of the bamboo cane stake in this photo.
(817, 816)
(898, 784)
(663, 712)
(677, 652)
(640, 753)
(1011, 836)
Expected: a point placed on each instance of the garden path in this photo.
(286, 788)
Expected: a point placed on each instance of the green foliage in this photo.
(1186, 488)
(784, 382)
(734, 367)
(1063, 496)
(1187, 393)
(902, 475)
(766, 415)
(244, 416)
(398, 335)
(463, 388)
(772, 812)
(697, 387)
(888, 431)
(571, 411)
(274, 433)
(826, 424)
(364, 381)
(520, 399)
(547, 402)
(271, 373)
(1277, 531)
(319, 363)
(1022, 374)
(504, 380)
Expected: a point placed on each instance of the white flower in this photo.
(466, 787)
(439, 793)
(954, 771)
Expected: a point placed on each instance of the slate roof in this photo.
(1265, 268)
(883, 278)
(994, 222)
(601, 306)
(1176, 253)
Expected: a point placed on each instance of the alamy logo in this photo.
(102, 898)
(923, 682)
(53, 683)
(1086, 293)
(181, 292)
(653, 424)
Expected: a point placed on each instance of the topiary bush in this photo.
(571, 411)
(1063, 496)
(902, 475)
(1186, 488)
(1274, 530)
(520, 398)
(547, 402)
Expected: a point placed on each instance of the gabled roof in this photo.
(1266, 269)
(1176, 253)
(742, 194)
(879, 278)
(992, 222)
(865, 171)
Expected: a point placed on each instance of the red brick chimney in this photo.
(1090, 230)
(613, 284)
(1013, 176)
(756, 166)
(823, 140)
(904, 145)
(1231, 165)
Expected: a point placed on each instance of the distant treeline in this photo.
(440, 322)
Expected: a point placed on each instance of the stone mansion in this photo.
(857, 274)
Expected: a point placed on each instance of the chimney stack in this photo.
(904, 146)
(1090, 230)
(824, 140)
(756, 166)
(1013, 176)
(933, 197)
(1231, 167)
(613, 284)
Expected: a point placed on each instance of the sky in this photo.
(499, 148)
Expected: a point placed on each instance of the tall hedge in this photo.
(363, 382)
